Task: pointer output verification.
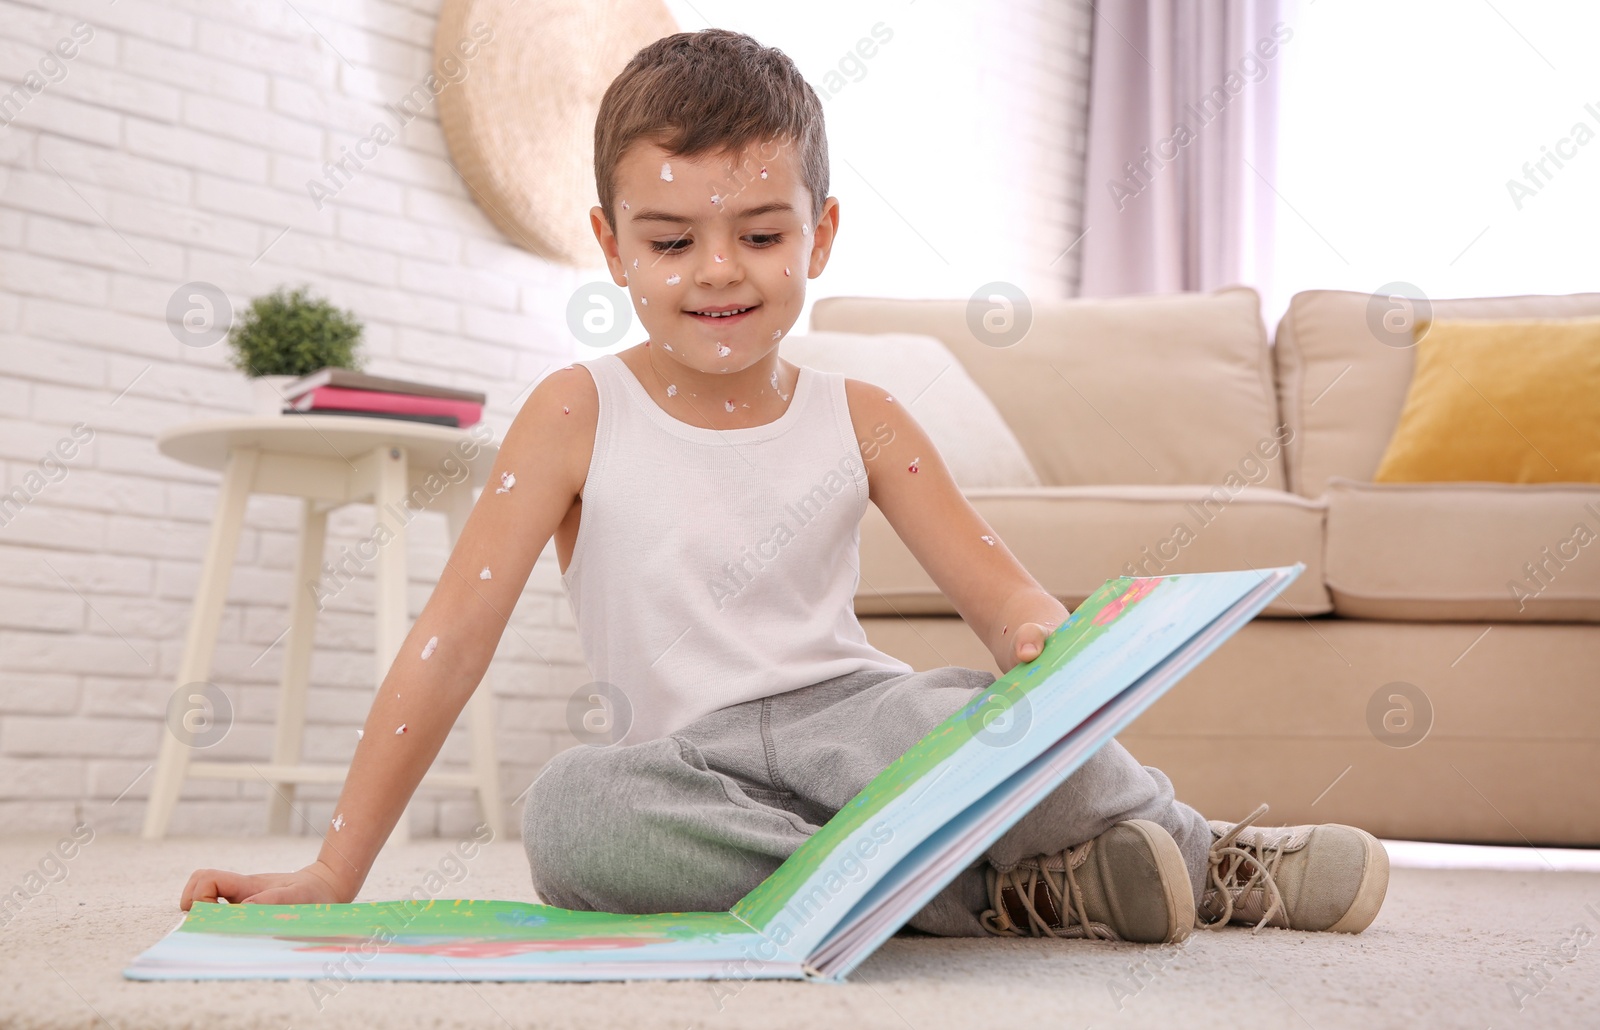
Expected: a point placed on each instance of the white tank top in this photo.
(718, 566)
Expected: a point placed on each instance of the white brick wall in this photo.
(177, 147)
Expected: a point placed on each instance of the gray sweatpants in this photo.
(693, 821)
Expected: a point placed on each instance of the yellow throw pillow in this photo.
(1500, 401)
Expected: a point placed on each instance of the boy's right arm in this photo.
(548, 448)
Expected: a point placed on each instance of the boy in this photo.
(755, 707)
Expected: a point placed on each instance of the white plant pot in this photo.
(267, 394)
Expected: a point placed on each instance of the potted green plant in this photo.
(287, 334)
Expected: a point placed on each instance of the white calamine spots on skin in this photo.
(636, 262)
(715, 199)
(888, 398)
(668, 346)
(805, 228)
(785, 269)
(913, 466)
(672, 390)
(673, 279)
(401, 730)
(624, 205)
(723, 350)
(777, 333)
(666, 171)
(360, 734)
(507, 481)
(428, 648)
(645, 301)
(719, 258)
(774, 379)
(987, 539)
(338, 822)
(485, 574)
(565, 410)
(728, 405)
(763, 171)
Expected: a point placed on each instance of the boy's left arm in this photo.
(1005, 606)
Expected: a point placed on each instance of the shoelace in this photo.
(1262, 857)
(1067, 895)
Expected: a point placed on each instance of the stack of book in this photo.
(343, 391)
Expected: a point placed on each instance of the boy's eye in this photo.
(755, 239)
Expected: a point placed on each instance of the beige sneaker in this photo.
(1128, 884)
(1325, 876)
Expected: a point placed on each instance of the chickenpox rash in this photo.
(672, 389)
(716, 200)
(565, 410)
(728, 405)
(785, 269)
(428, 648)
(723, 350)
(401, 730)
(507, 481)
(1004, 628)
(719, 258)
(913, 466)
(763, 171)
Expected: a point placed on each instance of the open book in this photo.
(932, 813)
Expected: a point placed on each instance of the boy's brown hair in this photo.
(711, 91)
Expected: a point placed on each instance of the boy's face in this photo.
(728, 232)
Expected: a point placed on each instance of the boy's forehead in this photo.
(644, 162)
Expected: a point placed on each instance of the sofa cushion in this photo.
(1073, 539)
(1504, 552)
(1172, 389)
(1344, 365)
(921, 373)
(1501, 401)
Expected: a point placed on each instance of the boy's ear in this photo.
(608, 244)
(822, 237)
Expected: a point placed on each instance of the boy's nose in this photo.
(719, 266)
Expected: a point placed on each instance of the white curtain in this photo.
(1182, 122)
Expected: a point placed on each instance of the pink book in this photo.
(379, 400)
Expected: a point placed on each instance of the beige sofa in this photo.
(1399, 684)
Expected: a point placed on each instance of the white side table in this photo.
(329, 461)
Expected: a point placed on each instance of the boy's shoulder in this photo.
(559, 417)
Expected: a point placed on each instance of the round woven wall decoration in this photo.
(518, 114)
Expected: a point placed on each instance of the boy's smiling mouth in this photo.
(722, 314)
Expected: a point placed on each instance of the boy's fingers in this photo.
(1030, 641)
(212, 884)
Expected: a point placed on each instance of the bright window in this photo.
(1401, 126)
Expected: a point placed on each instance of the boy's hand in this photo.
(315, 884)
(1028, 644)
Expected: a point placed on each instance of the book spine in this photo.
(379, 400)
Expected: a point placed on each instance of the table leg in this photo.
(295, 681)
(480, 706)
(389, 497)
(199, 649)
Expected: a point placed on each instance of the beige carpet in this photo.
(1445, 952)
